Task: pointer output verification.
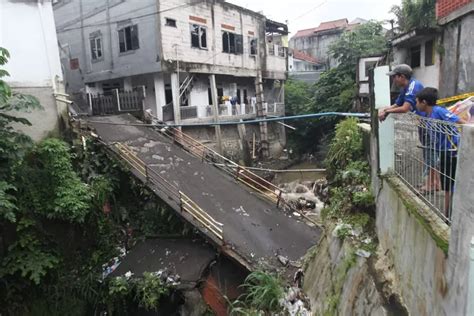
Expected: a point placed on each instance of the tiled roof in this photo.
(324, 26)
(297, 54)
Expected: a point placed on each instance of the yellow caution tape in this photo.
(455, 98)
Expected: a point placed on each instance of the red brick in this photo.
(445, 7)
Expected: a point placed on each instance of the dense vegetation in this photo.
(65, 210)
(263, 294)
(336, 89)
(348, 175)
(413, 14)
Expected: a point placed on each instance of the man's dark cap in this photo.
(402, 69)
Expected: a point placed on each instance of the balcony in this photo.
(227, 112)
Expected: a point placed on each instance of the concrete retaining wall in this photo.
(44, 122)
(231, 140)
(338, 283)
(428, 259)
(415, 246)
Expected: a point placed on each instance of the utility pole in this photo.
(109, 30)
(261, 113)
(215, 107)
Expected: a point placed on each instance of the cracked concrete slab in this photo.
(258, 233)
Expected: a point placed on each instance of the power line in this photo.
(310, 10)
(134, 17)
(272, 119)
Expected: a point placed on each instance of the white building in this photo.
(27, 31)
(175, 50)
(304, 67)
(419, 49)
(120, 44)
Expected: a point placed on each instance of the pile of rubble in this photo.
(306, 196)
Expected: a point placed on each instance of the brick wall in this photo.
(445, 7)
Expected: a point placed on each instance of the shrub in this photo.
(263, 291)
(345, 148)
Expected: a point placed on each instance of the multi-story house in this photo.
(304, 67)
(177, 51)
(27, 31)
(317, 41)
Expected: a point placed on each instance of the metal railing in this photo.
(188, 112)
(239, 110)
(117, 101)
(426, 158)
(186, 204)
(265, 188)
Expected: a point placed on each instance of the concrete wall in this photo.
(74, 35)
(215, 16)
(429, 261)
(27, 30)
(462, 229)
(231, 142)
(333, 277)
(428, 75)
(457, 68)
(160, 45)
(301, 65)
(414, 241)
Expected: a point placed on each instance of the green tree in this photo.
(336, 89)
(366, 39)
(13, 144)
(413, 14)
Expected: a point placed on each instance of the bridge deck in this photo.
(254, 229)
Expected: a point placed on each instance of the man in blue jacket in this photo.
(406, 101)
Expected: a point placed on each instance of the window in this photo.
(281, 51)
(232, 43)
(170, 22)
(74, 63)
(128, 38)
(415, 56)
(271, 49)
(368, 66)
(96, 47)
(168, 94)
(429, 53)
(253, 42)
(198, 36)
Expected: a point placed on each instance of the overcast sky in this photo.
(303, 14)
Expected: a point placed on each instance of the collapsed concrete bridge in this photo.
(241, 213)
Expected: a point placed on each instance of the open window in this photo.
(232, 43)
(429, 53)
(128, 38)
(253, 44)
(96, 46)
(415, 56)
(170, 22)
(198, 36)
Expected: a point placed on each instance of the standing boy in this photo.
(444, 137)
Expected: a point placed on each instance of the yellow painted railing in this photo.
(267, 189)
(187, 205)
